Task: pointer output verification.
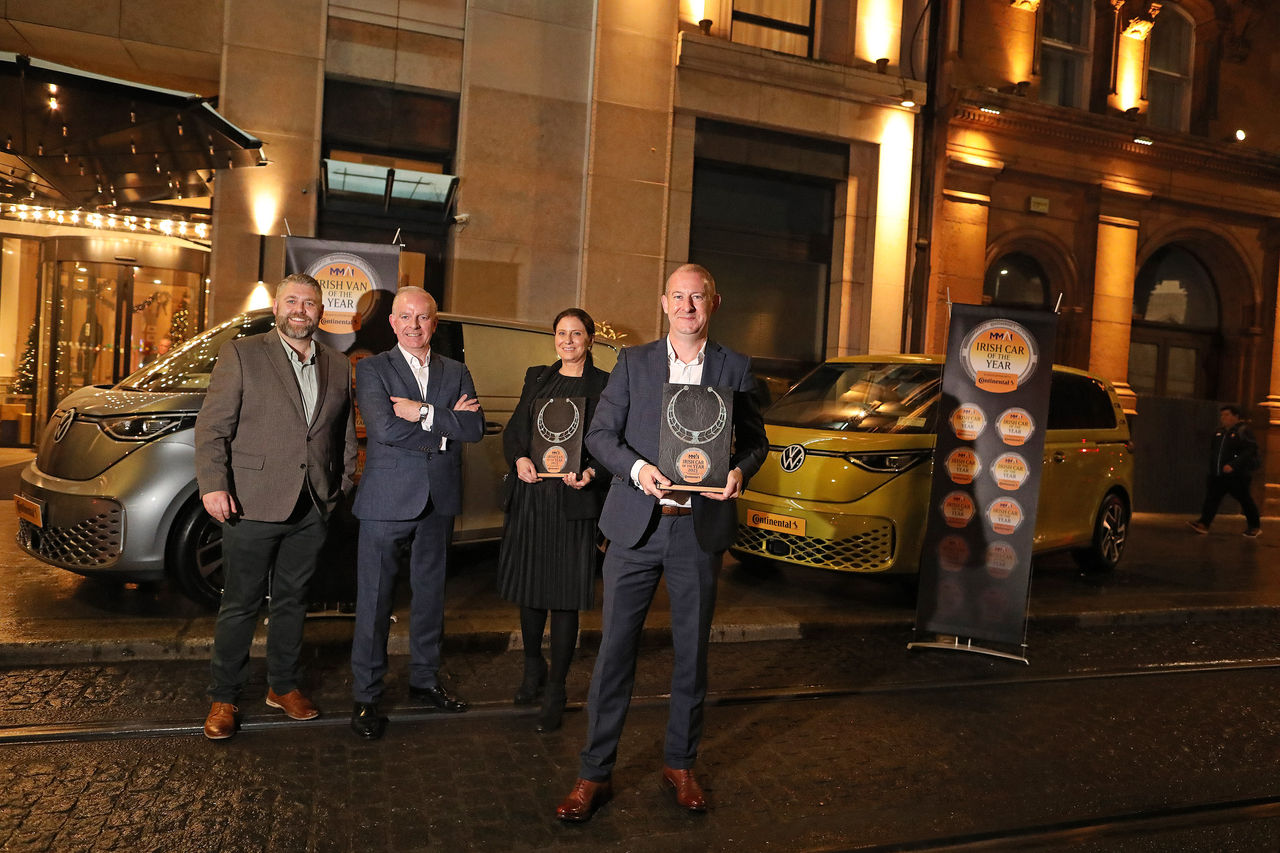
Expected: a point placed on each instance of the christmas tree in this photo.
(25, 381)
(178, 323)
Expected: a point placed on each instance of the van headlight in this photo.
(144, 427)
(888, 463)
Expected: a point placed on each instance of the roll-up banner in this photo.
(359, 281)
(975, 566)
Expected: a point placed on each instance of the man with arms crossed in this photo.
(653, 531)
(418, 408)
(275, 450)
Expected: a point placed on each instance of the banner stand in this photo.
(966, 645)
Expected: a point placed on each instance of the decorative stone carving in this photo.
(1028, 5)
(1140, 27)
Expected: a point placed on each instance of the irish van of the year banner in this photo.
(975, 566)
(359, 280)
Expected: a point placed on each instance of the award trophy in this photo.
(556, 443)
(697, 428)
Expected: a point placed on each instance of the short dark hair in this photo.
(1230, 407)
(300, 278)
(583, 317)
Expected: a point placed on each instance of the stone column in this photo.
(630, 171)
(1269, 435)
(272, 86)
(1114, 271)
(959, 259)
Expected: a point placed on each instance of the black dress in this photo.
(548, 555)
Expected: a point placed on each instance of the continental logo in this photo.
(772, 521)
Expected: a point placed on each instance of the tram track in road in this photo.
(1098, 830)
(31, 734)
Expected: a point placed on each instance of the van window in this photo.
(189, 366)
(1079, 402)
(865, 397)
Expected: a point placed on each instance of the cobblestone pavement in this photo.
(930, 744)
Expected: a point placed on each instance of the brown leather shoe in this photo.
(687, 790)
(221, 722)
(584, 799)
(294, 704)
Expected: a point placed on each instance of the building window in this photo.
(1169, 71)
(782, 25)
(1016, 280)
(1175, 335)
(1065, 35)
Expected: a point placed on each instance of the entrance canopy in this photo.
(69, 138)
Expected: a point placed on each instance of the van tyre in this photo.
(1110, 535)
(195, 556)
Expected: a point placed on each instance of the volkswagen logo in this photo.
(64, 424)
(792, 457)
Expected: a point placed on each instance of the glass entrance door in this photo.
(114, 318)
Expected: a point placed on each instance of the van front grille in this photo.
(868, 551)
(91, 543)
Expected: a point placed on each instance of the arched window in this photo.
(1016, 279)
(1066, 32)
(1172, 44)
(1174, 289)
(1175, 339)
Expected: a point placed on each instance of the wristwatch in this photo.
(423, 412)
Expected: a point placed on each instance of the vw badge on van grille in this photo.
(63, 425)
(792, 458)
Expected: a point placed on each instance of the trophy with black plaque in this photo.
(697, 427)
(556, 442)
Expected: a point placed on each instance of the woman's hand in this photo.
(525, 470)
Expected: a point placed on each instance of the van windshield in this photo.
(881, 397)
(188, 367)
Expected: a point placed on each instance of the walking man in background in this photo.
(275, 451)
(1233, 457)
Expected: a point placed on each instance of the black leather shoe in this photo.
(367, 722)
(438, 698)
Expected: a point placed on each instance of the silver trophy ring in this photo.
(697, 436)
(557, 437)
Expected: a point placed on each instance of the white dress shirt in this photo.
(421, 370)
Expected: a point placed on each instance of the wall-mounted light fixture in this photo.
(1143, 140)
(705, 26)
(1021, 87)
(262, 256)
(989, 110)
(882, 65)
(1132, 113)
(1239, 135)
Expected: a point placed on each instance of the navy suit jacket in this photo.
(626, 428)
(404, 465)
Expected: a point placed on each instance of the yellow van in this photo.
(846, 482)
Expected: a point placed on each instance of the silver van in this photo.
(112, 491)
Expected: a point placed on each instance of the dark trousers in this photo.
(1236, 485)
(630, 578)
(380, 545)
(255, 554)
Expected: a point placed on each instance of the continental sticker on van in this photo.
(776, 522)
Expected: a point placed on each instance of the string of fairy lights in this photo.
(166, 226)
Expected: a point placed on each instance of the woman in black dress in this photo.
(547, 563)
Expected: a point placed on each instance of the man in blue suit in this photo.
(653, 531)
(418, 407)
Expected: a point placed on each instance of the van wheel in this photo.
(195, 556)
(1110, 533)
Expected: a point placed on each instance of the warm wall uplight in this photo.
(260, 297)
(1130, 58)
(879, 30)
(265, 208)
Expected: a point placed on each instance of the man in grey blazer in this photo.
(653, 531)
(418, 408)
(275, 450)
